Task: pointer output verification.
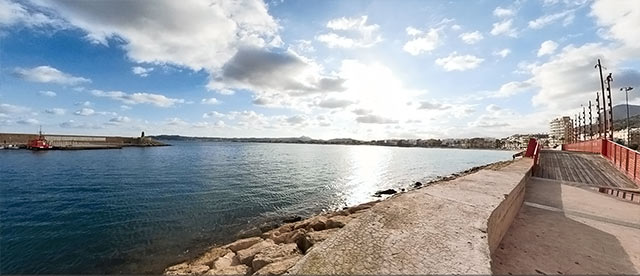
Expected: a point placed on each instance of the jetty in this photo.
(569, 211)
(79, 142)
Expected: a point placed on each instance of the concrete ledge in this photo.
(449, 228)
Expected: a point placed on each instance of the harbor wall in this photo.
(71, 141)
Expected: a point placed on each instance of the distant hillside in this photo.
(620, 111)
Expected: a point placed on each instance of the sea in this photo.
(138, 210)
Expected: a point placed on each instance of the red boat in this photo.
(39, 143)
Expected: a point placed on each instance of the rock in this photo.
(362, 206)
(278, 268)
(402, 190)
(417, 184)
(185, 269)
(385, 192)
(242, 244)
(231, 270)
(274, 254)
(247, 233)
(208, 257)
(245, 256)
(268, 226)
(225, 261)
(315, 237)
(317, 223)
(289, 237)
(337, 221)
(292, 219)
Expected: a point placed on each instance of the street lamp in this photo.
(626, 90)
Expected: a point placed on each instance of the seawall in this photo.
(449, 228)
(80, 141)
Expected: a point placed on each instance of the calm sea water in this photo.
(137, 210)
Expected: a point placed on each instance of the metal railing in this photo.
(623, 158)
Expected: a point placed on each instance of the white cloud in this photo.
(375, 119)
(456, 27)
(353, 33)
(620, 18)
(511, 88)
(504, 28)
(29, 121)
(141, 71)
(56, 111)
(211, 101)
(48, 74)
(502, 53)
(430, 105)
(213, 114)
(79, 125)
(139, 98)
(120, 119)
(547, 48)
(471, 37)
(14, 13)
(455, 62)
(47, 93)
(422, 42)
(543, 21)
(13, 109)
(303, 46)
(85, 112)
(493, 108)
(503, 12)
(334, 103)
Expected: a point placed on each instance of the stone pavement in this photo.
(440, 229)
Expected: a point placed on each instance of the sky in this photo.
(324, 69)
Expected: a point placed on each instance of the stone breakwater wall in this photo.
(449, 228)
(70, 141)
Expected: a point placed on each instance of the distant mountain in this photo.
(620, 111)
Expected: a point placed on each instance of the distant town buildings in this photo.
(561, 131)
(634, 135)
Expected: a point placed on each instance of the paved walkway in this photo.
(440, 229)
(564, 229)
(586, 168)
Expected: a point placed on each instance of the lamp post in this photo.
(626, 90)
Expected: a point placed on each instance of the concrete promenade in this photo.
(567, 227)
(449, 228)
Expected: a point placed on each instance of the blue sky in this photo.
(325, 69)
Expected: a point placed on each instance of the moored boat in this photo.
(39, 143)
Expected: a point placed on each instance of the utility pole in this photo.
(584, 124)
(598, 113)
(590, 122)
(626, 90)
(575, 127)
(604, 105)
(609, 80)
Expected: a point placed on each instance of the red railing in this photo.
(623, 158)
(533, 151)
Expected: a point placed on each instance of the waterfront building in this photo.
(561, 131)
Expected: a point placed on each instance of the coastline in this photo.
(271, 248)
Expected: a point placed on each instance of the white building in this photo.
(561, 131)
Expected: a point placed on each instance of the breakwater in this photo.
(72, 142)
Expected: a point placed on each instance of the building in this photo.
(561, 131)
(621, 135)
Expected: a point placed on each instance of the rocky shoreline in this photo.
(277, 248)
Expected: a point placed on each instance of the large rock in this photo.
(186, 269)
(245, 256)
(337, 221)
(231, 270)
(289, 237)
(208, 257)
(317, 223)
(315, 237)
(275, 254)
(225, 261)
(278, 268)
(362, 206)
(243, 244)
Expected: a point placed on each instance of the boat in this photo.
(39, 143)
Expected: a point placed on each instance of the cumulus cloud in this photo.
(547, 48)
(7, 109)
(213, 114)
(56, 111)
(511, 88)
(48, 74)
(120, 120)
(352, 32)
(211, 101)
(334, 103)
(422, 42)
(545, 20)
(47, 93)
(471, 37)
(434, 106)
(620, 18)
(456, 62)
(138, 98)
(502, 53)
(29, 121)
(141, 71)
(375, 119)
(503, 12)
(15, 13)
(85, 112)
(493, 108)
(504, 28)
(296, 120)
(267, 72)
